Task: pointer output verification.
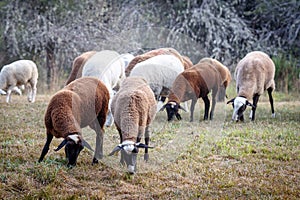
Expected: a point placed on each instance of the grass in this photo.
(199, 160)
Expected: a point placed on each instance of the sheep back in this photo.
(159, 71)
(194, 83)
(76, 106)
(18, 73)
(223, 70)
(150, 54)
(133, 107)
(254, 74)
(78, 64)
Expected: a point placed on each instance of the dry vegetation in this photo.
(206, 160)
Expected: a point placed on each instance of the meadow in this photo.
(215, 159)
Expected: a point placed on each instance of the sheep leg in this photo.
(98, 127)
(194, 101)
(46, 146)
(206, 107)
(252, 113)
(147, 140)
(270, 90)
(33, 93)
(214, 94)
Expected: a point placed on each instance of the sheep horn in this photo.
(182, 108)
(116, 149)
(141, 145)
(162, 108)
(62, 144)
(230, 101)
(250, 104)
(87, 145)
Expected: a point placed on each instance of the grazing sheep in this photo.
(254, 74)
(134, 109)
(193, 83)
(16, 74)
(108, 67)
(83, 102)
(77, 66)
(161, 51)
(159, 72)
(224, 73)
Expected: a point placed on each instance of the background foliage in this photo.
(53, 33)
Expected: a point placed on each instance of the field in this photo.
(215, 159)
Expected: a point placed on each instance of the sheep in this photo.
(16, 74)
(83, 102)
(193, 83)
(108, 67)
(160, 72)
(134, 109)
(77, 66)
(254, 74)
(161, 51)
(224, 73)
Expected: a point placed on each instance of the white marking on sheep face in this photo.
(75, 138)
(239, 106)
(128, 146)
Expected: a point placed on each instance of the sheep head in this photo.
(129, 151)
(239, 105)
(172, 109)
(73, 146)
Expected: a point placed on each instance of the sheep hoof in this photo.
(273, 115)
(95, 161)
(146, 157)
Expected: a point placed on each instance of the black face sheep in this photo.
(83, 102)
(77, 66)
(193, 83)
(16, 74)
(254, 74)
(134, 109)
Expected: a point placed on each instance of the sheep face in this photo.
(73, 146)
(239, 105)
(172, 109)
(129, 151)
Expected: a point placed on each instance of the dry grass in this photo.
(206, 160)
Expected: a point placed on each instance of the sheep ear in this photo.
(182, 108)
(116, 149)
(2, 92)
(231, 101)
(141, 145)
(87, 145)
(162, 108)
(250, 104)
(62, 144)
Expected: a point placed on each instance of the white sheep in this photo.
(254, 74)
(108, 67)
(134, 109)
(16, 74)
(160, 72)
(83, 102)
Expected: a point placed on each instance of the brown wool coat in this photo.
(76, 106)
(77, 66)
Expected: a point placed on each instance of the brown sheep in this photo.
(254, 74)
(77, 66)
(84, 102)
(193, 83)
(133, 108)
(224, 73)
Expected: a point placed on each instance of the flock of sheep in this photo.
(105, 88)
